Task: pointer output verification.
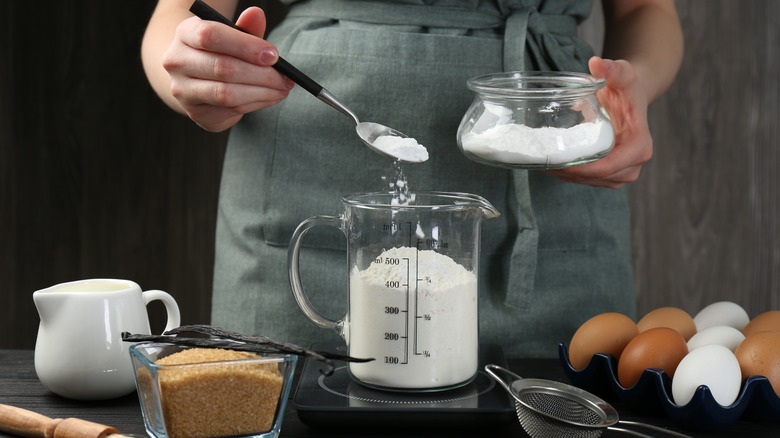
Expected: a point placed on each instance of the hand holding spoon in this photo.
(402, 148)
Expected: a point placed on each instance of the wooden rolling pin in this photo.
(21, 422)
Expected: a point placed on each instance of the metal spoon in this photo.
(367, 131)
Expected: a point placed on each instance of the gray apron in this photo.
(559, 253)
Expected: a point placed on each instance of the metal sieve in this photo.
(548, 408)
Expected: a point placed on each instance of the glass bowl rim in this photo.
(136, 351)
(550, 84)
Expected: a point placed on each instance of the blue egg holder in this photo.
(757, 400)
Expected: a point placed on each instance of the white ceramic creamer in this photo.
(79, 352)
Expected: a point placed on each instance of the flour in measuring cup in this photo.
(520, 144)
(423, 338)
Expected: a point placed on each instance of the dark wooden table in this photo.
(19, 386)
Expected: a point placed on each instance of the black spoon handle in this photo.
(206, 12)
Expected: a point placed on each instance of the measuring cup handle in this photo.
(293, 263)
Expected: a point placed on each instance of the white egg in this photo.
(724, 335)
(721, 313)
(712, 365)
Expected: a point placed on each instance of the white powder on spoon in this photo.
(520, 144)
(402, 148)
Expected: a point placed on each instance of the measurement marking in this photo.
(406, 317)
(408, 276)
(391, 227)
(417, 297)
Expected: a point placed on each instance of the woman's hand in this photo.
(625, 100)
(218, 74)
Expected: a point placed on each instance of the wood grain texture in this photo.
(99, 179)
(705, 212)
(20, 387)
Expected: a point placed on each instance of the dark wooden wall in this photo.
(99, 179)
(706, 214)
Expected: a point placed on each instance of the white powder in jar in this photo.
(402, 148)
(519, 144)
(426, 339)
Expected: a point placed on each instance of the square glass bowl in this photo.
(245, 397)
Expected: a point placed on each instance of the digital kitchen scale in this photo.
(336, 400)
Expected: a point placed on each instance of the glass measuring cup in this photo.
(413, 273)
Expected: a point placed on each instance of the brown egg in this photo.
(671, 317)
(606, 333)
(759, 355)
(767, 321)
(660, 347)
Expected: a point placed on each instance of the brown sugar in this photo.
(212, 400)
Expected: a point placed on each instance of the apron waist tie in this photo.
(518, 20)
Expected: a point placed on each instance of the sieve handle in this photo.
(651, 427)
(491, 370)
(628, 432)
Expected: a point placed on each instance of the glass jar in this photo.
(535, 120)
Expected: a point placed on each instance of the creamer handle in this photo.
(171, 308)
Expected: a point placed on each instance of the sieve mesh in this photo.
(562, 408)
(540, 426)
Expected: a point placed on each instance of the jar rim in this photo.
(536, 84)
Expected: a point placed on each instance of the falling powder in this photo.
(399, 187)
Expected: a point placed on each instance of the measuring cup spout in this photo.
(488, 210)
(482, 205)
